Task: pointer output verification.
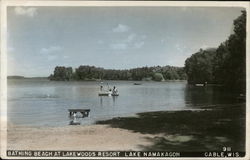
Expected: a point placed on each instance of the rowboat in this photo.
(108, 91)
(105, 93)
(115, 94)
(137, 83)
(199, 85)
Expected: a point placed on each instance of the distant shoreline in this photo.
(93, 80)
(86, 80)
(22, 77)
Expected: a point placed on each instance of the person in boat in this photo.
(205, 84)
(114, 90)
(74, 117)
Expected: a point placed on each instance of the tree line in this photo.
(225, 65)
(85, 72)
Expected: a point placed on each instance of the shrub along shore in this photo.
(156, 73)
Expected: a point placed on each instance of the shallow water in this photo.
(46, 103)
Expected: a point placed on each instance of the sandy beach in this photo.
(194, 130)
(92, 137)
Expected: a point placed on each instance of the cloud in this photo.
(204, 46)
(163, 40)
(123, 44)
(139, 44)
(121, 28)
(51, 57)
(65, 57)
(100, 42)
(118, 46)
(179, 48)
(133, 41)
(50, 52)
(143, 37)
(50, 49)
(131, 37)
(30, 12)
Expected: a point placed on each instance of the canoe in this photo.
(199, 85)
(137, 83)
(115, 94)
(103, 93)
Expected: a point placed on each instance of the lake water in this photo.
(46, 103)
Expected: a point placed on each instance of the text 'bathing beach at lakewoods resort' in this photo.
(141, 81)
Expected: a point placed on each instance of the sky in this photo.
(41, 38)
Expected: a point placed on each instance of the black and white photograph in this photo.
(124, 79)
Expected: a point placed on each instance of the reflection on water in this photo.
(199, 97)
(114, 98)
(46, 103)
(101, 101)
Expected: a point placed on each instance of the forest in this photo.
(225, 65)
(156, 73)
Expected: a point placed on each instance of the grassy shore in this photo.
(202, 130)
(198, 130)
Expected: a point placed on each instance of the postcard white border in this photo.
(3, 57)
